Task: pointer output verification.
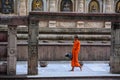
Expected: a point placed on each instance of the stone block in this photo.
(80, 24)
(3, 68)
(107, 24)
(114, 64)
(52, 23)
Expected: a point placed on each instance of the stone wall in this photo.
(80, 6)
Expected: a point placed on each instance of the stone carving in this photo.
(118, 7)
(80, 6)
(94, 24)
(12, 51)
(52, 5)
(37, 5)
(13, 30)
(66, 24)
(94, 6)
(66, 5)
(52, 23)
(43, 24)
(80, 24)
(22, 7)
(7, 6)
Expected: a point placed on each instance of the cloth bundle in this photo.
(69, 55)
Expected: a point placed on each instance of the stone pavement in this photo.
(61, 69)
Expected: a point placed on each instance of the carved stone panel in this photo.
(115, 48)
(80, 24)
(108, 6)
(52, 5)
(52, 23)
(12, 50)
(80, 5)
(94, 24)
(33, 32)
(66, 24)
(22, 7)
(7, 6)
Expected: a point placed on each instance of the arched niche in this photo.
(6, 6)
(66, 6)
(94, 6)
(117, 8)
(37, 5)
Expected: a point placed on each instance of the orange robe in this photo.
(75, 51)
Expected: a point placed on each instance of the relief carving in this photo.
(80, 6)
(37, 5)
(118, 7)
(66, 24)
(94, 6)
(52, 5)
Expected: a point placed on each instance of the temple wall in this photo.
(23, 7)
(80, 6)
(90, 42)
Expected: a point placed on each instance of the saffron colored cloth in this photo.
(75, 52)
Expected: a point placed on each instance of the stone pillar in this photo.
(108, 9)
(80, 6)
(80, 9)
(52, 8)
(12, 50)
(108, 6)
(115, 48)
(22, 7)
(33, 32)
(52, 5)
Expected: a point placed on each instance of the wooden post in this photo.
(12, 50)
(33, 47)
(115, 48)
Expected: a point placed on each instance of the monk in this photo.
(75, 51)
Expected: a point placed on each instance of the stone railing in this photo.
(58, 41)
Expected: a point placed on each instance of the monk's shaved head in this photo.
(75, 36)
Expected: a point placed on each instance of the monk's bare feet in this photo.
(80, 68)
(71, 70)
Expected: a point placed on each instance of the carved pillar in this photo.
(108, 5)
(108, 9)
(33, 47)
(115, 48)
(12, 50)
(52, 6)
(80, 8)
(23, 7)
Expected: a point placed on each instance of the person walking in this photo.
(75, 52)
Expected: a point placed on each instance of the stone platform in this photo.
(59, 70)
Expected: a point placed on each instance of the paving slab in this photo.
(61, 69)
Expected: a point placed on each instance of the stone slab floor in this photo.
(61, 69)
